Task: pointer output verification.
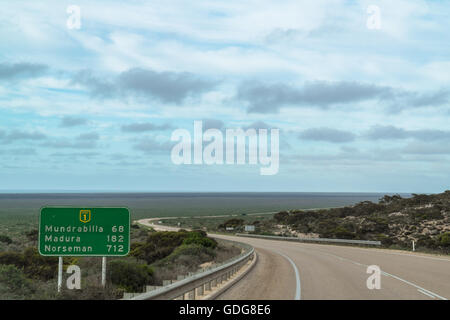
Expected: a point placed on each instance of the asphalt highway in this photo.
(292, 270)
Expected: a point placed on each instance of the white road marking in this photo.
(387, 274)
(426, 293)
(298, 289)
(414, 285)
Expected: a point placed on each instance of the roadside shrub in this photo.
(341, 232)
(234, 223)
(158, 245)
(425, 213)
(426, 241)
(444, 239)
(14, 284)
(5, 239)
(200, 239)
(131, 276)
(32, 235)
(33, 264)
(281, 216)
(161, 244)
(189, 256)
(385, 240)
(39, 267)
(14, 258)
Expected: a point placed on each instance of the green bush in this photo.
(39, 267)
(385, 240)
(444, 239)
(188, 255)
(5, 239)
(234, 223)
(192, 250)
(34, 265)
(14, 284)
(200, 239)
(161, 244)
(131, 276)
(14, 258)
(32, 235)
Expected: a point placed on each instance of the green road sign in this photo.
(65, 231)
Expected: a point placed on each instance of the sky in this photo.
(359, 91)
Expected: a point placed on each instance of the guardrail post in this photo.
(150, 288)
(208, 286)
(191, 295)
(213, 283)
(200, 290)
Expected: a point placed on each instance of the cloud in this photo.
(258, 125)
(83, 141)
(150, 145)
(97, 87)
(213, 124)
(441, 97)
(65, 144)
(145, 126)
(395, 133)
(19, 152)
(385, 132)
(269, 98)
(21, 70)
(70, 121)
(17, 135)
(425, 148)
(75, 155)
(327, 135)
(167, 87)
(411, 99)
(90, 136)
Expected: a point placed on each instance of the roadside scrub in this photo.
(154, 257)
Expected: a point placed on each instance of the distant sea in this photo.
(183, 204)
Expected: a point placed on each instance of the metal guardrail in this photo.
(367, 242)
(202, 281)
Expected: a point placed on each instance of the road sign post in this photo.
(103, 272)
(60, 271)
(66, 231)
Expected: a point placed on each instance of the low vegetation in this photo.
(154, 257)
(394, 220)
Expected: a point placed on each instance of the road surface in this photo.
(292, 270)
